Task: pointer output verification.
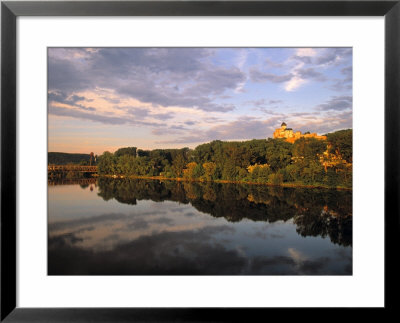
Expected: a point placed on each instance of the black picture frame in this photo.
(10, 10)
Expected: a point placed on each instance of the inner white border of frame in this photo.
(364, 288)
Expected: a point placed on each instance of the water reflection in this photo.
(315, 212)
(142, 227)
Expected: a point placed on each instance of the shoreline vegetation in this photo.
(182, 179)
(307, 162)
(324, 162)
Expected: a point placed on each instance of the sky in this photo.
(102, 99)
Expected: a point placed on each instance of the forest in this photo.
(55, 158)
(307, 162)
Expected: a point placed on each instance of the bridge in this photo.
(71, 168)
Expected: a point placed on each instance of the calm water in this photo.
(143, 227)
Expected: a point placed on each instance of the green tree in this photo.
(242, 174)
(263, 174)
(278, 153)
(107, 163)
(309, 148)
(198, 171)
(178, 165)
(130, 151)
(331, 177)
(341, 143)
(125, 164)
(229, 170)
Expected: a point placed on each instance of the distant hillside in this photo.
(65, 158)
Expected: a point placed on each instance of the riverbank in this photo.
(181, 179)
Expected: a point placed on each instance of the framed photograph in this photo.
(178, 160)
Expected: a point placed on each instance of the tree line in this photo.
(56, 158)
(308, 161)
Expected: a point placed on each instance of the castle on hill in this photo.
(291, 136)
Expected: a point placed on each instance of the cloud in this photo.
(68, 75)
(294, 83)
(323, 57)
(160, 76)
(269, 107)
(263, 102)
(314, 64)
(296, 76)
(106, 119)
(333, 56)
(143, 112)
(177, 253)
(190, 123)
(348, 72)
(273, 64)
(242, 129)
(191, 252)
(275, 101)
(306, 52)
(303, 59)
(326, 122)
(345, 83)
(137, 224)
(310, 73)
(135, 111)
(162, 116)
(296, 255)
(258, 76)
(304, 55)
(163, 220)
(72, 100)
(111, 100)
(327, 118)
(337, 103)
(190, 95)
(93, 220)
(318, 121)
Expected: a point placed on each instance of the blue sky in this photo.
(105, 98)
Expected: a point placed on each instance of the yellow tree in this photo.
(188, 172)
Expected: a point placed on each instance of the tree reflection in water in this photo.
(148, 227)
(316, 212)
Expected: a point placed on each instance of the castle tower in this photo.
(291, 136)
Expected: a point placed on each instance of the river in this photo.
(147, 227)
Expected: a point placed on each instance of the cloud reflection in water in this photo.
(168, 232)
